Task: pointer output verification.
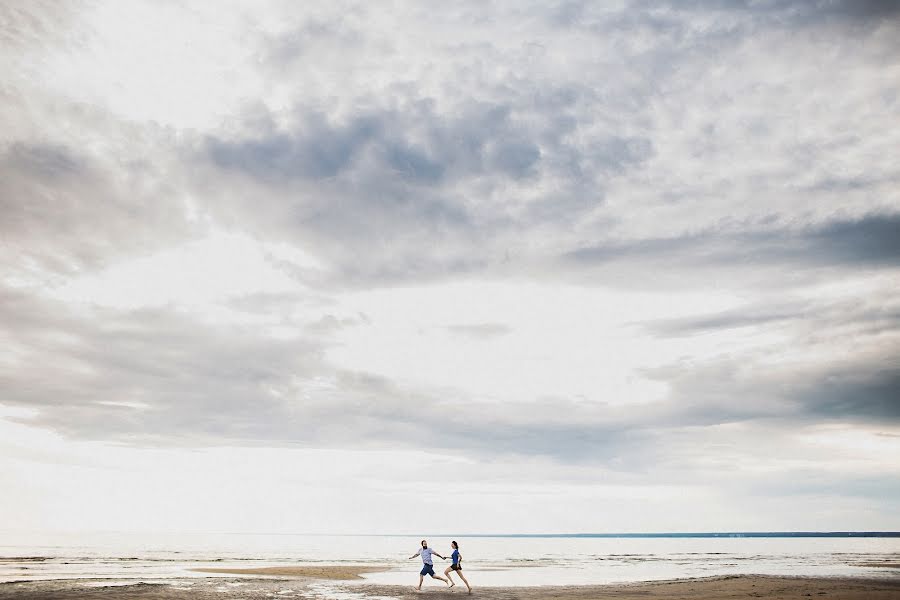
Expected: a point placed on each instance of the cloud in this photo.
(467, 169)
(413, 191)
(793, 15)
(748, 388)
(732, 319)
(53, 199)
(872, 395)
(813, 317)
(871, 241)
(36, 23)
(655, 147)
(415, 144)
(164, 378)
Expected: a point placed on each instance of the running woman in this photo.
(456, 558)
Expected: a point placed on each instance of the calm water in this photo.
(489, 561)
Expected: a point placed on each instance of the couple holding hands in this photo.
(428, 565)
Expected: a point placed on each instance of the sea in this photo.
(489, 560)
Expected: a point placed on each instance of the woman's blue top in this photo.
(455, 556)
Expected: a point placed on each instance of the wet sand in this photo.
(319, 572)
(300, 586)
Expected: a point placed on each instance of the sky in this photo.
(479, 267)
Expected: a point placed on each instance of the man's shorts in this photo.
(427, 570)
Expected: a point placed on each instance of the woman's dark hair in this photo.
(455, 545)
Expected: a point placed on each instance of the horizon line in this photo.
(697, 534)
(619, 534)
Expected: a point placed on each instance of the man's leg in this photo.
(421, 578)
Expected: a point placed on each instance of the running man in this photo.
(427, 565)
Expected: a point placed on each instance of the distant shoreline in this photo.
(711, 534)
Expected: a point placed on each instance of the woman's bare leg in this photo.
(466, 581)
(449, 578)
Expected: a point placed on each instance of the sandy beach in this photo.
(326, 572)
(324, 582)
